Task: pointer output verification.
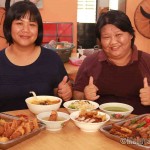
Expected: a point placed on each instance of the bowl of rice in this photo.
(76, 105)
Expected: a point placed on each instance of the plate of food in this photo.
(89, 121)
(76, 105)
(14, 130)
(133, 132)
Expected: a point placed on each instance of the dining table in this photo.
(70, 137)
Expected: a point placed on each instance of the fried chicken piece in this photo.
(1, 130)
(8, 130)
(2, 121)
(35, 124)
(53, 116)
(27, 127)
(17, 133)
(16, 123)
(4, 139)
(82, 113)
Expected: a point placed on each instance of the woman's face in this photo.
(24, 32)
(115, 42)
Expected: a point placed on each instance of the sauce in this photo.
(116, 109)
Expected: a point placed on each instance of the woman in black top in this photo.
(26, 66)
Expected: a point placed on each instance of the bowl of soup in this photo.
(53, 120)
(117, 111)
(43, 103)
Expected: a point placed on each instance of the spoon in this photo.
(34, 95)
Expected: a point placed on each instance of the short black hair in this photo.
(19, 10)
(118, 19)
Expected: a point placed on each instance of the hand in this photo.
(64, 89)
(145, 93)
(90, 90)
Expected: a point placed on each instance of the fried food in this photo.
(16, 128)
(4, 139)
(136, 128)
(53, 116)
(91, 116)
(1, 130)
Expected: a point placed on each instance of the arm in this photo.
(78, 95)
(84, 87)
(90, 92)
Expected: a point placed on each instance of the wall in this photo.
(61, 11)
(141, 42)
(66, 11)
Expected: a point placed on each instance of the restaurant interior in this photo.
(61, 23)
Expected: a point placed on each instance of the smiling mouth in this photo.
(25, 37)
(114, 48)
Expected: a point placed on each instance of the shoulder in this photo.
(144, 64)
(145, 54)
(145, 57)
(93, 58)
(2, 53)
(49, 53)
(92, 64)
(145, 60)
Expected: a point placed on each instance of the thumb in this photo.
(91, 80)
(145, 82)
(63, 82)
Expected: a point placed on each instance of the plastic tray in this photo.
(105, 129)
(10, 143)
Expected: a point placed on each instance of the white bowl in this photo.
(53, 125)
(86, 126)
(117, 115)
(36, 109)
(66, 105)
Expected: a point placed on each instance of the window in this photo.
(86, 12)
(113, 4)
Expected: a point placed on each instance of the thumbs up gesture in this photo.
(64, 89)
(90, 90)
(145, 93)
